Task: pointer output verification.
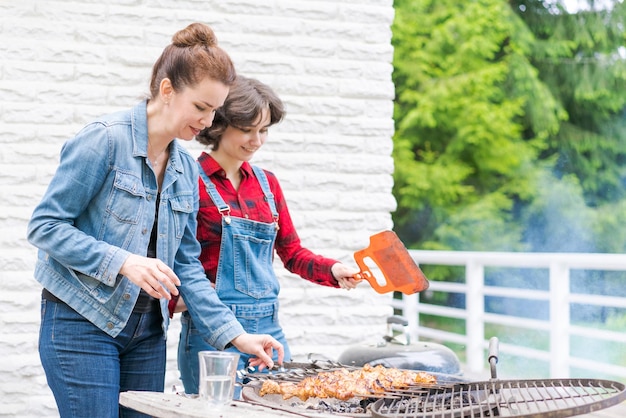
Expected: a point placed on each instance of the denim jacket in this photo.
(99, 208)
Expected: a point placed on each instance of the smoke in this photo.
(560, 221)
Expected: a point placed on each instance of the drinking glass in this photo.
(217, 378)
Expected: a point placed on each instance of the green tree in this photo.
(580, 58)
(463, 86)
(493, 120)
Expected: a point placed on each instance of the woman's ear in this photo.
(166, 90)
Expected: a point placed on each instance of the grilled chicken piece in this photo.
(343, 384)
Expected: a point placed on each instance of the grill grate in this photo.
(451, 397)
(552, 398)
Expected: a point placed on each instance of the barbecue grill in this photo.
(397, 350)
(506, 398)
(451, 397)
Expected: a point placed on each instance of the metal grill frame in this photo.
(529, 398)
(536, 398)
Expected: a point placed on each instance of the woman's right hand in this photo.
(152, 275)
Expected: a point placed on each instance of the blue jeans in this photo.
(191, 343)
(87, 369)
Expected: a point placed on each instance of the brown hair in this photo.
(246, 100)
(192, 56)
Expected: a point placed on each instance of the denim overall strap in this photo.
(265, 186)
(222, 207)
(245, 273)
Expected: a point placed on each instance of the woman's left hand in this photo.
(261, 346)
(347, 277)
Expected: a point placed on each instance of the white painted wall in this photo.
(64, 62)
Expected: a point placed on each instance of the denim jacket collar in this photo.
(140, 139)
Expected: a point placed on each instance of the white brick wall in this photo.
(64, 62)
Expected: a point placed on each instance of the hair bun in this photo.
(195, 34)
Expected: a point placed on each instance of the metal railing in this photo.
(558, 295)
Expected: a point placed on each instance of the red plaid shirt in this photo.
(248, 202)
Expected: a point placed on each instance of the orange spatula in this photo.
(393, 260)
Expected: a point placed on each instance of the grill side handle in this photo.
(493, 356)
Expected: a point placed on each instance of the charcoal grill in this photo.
(397, 350)
(451, 397)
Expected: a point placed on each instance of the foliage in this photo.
(509, 126)
(578, 58)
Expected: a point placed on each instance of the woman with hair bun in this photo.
(116, 232)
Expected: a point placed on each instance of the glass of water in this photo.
(217, 377)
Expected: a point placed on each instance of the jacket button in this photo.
(149, 197)
(144, 231)
(126, 296)
(110, 325)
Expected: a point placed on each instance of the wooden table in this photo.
(171, 405)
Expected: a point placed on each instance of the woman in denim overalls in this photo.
(243, 218)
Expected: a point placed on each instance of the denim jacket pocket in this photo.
(126, 196)
(182, 208)
(95, 287)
